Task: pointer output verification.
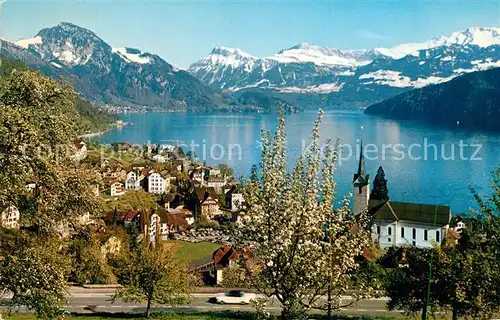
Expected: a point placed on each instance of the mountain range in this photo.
(102, 74)
(229, 79)
(350, 78)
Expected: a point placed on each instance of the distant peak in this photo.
(68, 25)
(479, 29)
(226, 51)
(303, 45)
(66, 28)
(480, 36)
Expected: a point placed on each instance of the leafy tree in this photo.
(132, 200)
(38, 121)
(155, 275)
(116, 217)
(91, 118)
(408, 286)
(303, 246)
(380, 191)
(89, 264)
(39, 154)
(234, 277)
(370, 272)
(35, 273)
(225, 170)
(191, 155)
(254, 174)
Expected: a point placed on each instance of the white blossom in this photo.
(301, 242)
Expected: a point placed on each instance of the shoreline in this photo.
(118, 124)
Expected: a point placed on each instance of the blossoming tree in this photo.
(305, 249)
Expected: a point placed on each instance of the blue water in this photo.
(413, 174)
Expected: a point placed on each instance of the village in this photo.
(159, 192)
(161, 195)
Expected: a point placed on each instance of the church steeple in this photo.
(361, 185)
(361, 165)
(361, 177)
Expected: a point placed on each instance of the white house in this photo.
(154, 226)
(234, 199)
(459, 225)
(166, 147)
(163, 223)
(217, 183)
(408, 224)
(116, 189)
(157, 183)
(9, 218)
(198, 175)
(213, 172)
(159, 158)
(133, 181)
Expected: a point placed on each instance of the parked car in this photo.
(234, 297)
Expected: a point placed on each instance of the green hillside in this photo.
(92, 119)
(470, 101)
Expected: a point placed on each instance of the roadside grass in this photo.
(190, 252)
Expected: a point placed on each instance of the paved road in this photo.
(89, 301)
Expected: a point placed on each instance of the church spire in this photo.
(361, 185)
(361, 165)
(360, 177)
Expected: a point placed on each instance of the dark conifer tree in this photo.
(380, 191)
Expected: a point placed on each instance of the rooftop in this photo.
(406, 211)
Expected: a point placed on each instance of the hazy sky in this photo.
(183, 31)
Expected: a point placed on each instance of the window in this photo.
(413, 243)
(426, 235)
(437, 236)
(402, 232)
(414, 233)
(378, 229)
(389, 239)
(389, 231)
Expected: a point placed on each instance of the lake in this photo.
(422, 163)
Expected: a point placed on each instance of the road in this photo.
(98, 300)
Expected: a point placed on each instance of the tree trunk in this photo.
(330, 302)
(424, 311)
(148, 308)
(454, 314)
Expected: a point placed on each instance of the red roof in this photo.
(223, 256)
(123, 216)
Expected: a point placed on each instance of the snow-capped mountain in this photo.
(294, 69)
(300, 75)
(117, 76)
(305, 52)
(69, 45)
(357, 77)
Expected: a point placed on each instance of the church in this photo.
(399, 223)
